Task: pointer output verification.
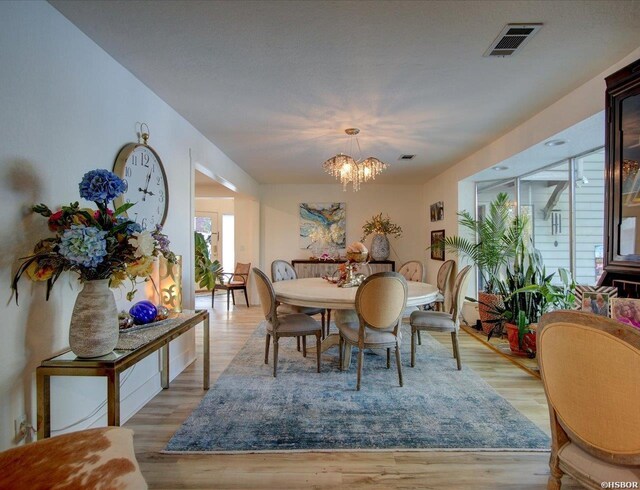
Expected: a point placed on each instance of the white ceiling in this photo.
(274, 83)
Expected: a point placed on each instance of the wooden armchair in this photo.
(590, 368)
(231, 282)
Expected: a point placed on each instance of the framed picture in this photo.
(593, 299)
(437, 247)
(436, 210)
(323, 224)
(626, 310)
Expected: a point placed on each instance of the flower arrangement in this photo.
(96, 244)
(381, 226)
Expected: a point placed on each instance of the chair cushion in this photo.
(284, 309)
(593, 469)
(350, 329)
(295, 324)
(433, 320)
(88, 459)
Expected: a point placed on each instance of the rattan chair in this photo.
(380, 302)
(590, 369)
(293, 325)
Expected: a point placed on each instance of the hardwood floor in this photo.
(156, 422)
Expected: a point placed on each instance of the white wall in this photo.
(403, 203)
(68, 107)
(583, 102)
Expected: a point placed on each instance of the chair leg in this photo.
(419, 338)
(341, 353)
(304, 346)
(266, 349)
(360, 362)
(213, 295)
(555, 478)
(322, 323)
(399, 364)
(233, 296)
(228, 293)
(275, 355)
(246, 298)
(318, 353)
(413, 346)
(388, 357)
(328, 321)
(456, 349)
(298, 342)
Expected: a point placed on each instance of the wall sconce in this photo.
(171, 284)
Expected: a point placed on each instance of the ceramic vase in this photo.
(380, 248)
(94, 323)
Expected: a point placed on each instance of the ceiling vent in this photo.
(406, 157)
(511, 39)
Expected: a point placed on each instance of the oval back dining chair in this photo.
(590, 369)
(380, 302)
(444, 281)
(281, 270)
(440, 321)
(293, 325)
(412, 271)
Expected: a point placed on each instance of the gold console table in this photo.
(113, 364)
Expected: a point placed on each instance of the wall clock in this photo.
(140, 166)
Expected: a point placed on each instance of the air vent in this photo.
(512, 39)
(406, 157)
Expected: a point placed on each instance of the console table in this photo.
(319, 268)
(132, 348)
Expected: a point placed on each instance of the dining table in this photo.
(318, 292)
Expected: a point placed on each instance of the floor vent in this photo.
(511, 39)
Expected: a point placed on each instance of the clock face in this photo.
(147, 187)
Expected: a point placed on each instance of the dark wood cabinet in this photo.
(622, 174)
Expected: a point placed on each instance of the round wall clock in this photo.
(140, 166)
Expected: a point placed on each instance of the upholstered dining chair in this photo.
(444, 281)
(590, 369)
(380, 301)
(412, 271)
(281, 270)
(235, 281)
(278, 326)
(441, 321)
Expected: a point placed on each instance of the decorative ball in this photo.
(143, 312)
(163, 313)
(124, 320)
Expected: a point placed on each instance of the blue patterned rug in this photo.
(439, 407)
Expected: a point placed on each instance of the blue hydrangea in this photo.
(84, 245)
(131, 228)
(101, 186)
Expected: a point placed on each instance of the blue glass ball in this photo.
(143, 312)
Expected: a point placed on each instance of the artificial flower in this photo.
(143, 267)
(143, 243)
(38, 273)
(83, 245)
(101, 186)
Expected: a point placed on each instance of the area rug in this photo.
(439, 407)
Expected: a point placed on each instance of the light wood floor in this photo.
(157, 421)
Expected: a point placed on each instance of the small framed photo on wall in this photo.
(437, 245)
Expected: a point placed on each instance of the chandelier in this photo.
(349, 170)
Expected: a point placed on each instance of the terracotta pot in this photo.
(488, 302)
(94, 325)
(528, 342)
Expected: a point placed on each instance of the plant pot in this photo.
(528, 342)
(380, 248)
(94, 331)
(486, 303)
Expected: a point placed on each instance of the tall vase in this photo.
(94, 323)
(380, 248)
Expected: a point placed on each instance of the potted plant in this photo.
(380, 227)
(207, 272)
(494, 244)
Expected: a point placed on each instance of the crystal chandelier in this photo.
(349, 170)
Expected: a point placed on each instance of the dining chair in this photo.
(281, 270)
(412, 271)
(237, 280)
(440, 321)
(444, 281)
(379, 304)
(590, 370)
(293, 325)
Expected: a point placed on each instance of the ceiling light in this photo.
(500, 168)
(347, 169)
(555, 142)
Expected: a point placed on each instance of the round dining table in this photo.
(319, 293)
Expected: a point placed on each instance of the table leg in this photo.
(43, 383)
(113, 399)
(164, 371)
(207, 354)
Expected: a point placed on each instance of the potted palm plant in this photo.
(493, 246)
